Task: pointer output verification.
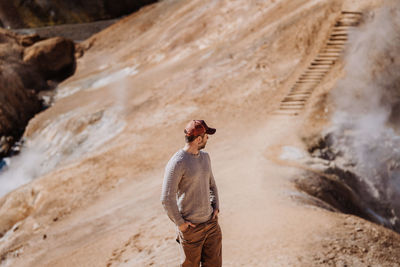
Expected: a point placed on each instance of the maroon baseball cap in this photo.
(198, 127)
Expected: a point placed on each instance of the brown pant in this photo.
(202, 243)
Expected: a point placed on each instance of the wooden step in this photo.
(349, 19)
(298, 90)
(285, 113)
(346, 12)
(321, 72)
(339, 33)
(312, 75)
(316, 71)
(337, 43)
(308, 71)
(342, 28)
(291, 108)
(323, 60)
(316, 75)
(307, 94)
(301, 92)
(327, 50)
(292, 104)
(337, 30)
(302, 88)
(319, 63)
(312, 78)
(307, 83)
(319, 68)
(328, 54)
(325, 56)
(294, 99)
(309, 79)
(338, 38)
(334, 45)
(347, 23)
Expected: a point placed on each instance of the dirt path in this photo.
(256, 208)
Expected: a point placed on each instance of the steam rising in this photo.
(366, 125)
(74, 134)
(62, 141)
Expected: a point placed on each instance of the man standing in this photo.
(190, 198)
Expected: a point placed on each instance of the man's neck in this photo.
(191, 149)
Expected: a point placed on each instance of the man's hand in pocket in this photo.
(215, 213)
(184, 226)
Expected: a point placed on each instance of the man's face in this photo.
(203, 141)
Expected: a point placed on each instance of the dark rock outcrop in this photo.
(336, 182)
(19, 14)
(28, 65)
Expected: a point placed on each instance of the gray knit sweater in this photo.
(189, 192)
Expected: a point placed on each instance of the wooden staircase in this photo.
(301, 91)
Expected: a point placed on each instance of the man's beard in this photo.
(202, 146)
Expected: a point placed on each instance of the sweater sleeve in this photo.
(213, 189)
(172, 177)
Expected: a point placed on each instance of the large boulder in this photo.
(53, 58)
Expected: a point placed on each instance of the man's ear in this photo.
(199, 138)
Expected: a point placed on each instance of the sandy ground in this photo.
(228, 62)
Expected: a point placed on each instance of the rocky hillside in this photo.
(29, 66)
(30, 14)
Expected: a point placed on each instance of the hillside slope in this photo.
(97, 156)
